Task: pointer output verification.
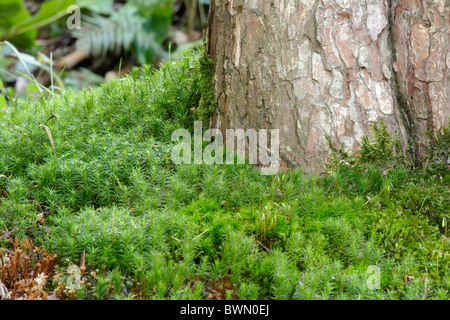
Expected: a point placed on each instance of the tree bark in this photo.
(329, 68)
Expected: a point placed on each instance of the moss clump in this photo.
(439, 153)
(207, 104)
(383, 150)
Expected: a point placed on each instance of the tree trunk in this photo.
(329, 68)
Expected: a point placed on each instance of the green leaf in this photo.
(31, 87)
(3, 103)
(48, 12)
(12, 13)
(9, 8)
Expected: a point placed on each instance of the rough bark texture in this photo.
(317, 68)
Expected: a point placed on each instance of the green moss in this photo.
(207, 104)
(165, 231)
(438, 161)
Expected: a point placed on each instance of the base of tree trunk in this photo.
(329, 68)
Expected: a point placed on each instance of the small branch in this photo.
(263, 246)
(40, 208)
(202, 233)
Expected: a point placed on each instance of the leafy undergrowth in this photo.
(89, 178)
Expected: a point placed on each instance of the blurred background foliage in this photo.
(39, 53)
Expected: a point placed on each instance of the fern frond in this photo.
(123, 30)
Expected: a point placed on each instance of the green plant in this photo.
(383, 150)
(106, 196)
(24, 271)
(439, 153)
(19, 26)
(138, 25)
(26, 67)
(207, 104)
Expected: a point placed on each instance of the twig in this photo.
(263, 246)
(202, 233)
(40, 208)
(6, 234)
(7, 251)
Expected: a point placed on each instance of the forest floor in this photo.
(92, 207)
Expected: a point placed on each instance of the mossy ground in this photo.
(100, 180)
